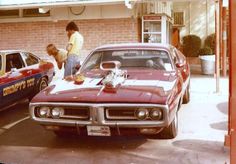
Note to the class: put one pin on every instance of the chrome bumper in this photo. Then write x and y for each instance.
(97, 116)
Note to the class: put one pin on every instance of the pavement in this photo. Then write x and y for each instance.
(202, 127)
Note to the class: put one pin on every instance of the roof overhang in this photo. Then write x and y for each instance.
(23, 4)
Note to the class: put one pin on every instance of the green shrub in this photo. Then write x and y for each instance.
(191, 45)
(210, 41)
(205, 51)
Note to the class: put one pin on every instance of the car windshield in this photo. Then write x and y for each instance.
(158, 60)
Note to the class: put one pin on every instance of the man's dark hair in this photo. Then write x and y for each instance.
(50, 45)
(72, 26)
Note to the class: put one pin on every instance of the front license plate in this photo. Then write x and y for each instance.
(98, 131)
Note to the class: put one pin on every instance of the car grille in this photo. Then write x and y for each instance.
(118, 113)
(81, 113)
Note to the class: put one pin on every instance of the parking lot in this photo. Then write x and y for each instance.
(202, 126)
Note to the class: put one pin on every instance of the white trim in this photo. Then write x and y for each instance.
(63, 4)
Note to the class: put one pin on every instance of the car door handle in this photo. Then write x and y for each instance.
(29, 72)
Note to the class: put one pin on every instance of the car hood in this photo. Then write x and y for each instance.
(138, 90)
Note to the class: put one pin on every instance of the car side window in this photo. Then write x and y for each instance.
(14, 61)
(30, 59)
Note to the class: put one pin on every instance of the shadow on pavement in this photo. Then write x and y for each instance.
(210, 147)
(29, 133)
(13, 113)
(223, 107)
(220, 125)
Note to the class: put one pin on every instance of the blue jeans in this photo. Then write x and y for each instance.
(70, 65)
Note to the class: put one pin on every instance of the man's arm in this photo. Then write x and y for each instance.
(71, 43)
(69, 47)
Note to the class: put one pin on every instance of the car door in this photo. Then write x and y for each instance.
(13, 84)
(32, 70)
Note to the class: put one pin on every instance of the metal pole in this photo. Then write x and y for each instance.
(217, 55)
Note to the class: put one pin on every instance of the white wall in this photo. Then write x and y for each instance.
(199, 17)
(90, 12)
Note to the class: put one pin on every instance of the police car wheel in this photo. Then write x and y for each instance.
(43, 83)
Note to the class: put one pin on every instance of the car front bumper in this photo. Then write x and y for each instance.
(97, 117)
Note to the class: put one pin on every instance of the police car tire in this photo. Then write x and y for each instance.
(43, 83)
(39, 87)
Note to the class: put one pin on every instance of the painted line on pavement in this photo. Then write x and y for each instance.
(8, 126)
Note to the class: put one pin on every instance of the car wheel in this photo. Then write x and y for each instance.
(186, 97)
(43, 83)
(171, 131)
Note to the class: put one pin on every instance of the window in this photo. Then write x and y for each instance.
(30, 59)
(14, 61)
(34, 13)
(9, 13)
(179, 18)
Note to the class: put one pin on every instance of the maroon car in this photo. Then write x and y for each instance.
(119, 89)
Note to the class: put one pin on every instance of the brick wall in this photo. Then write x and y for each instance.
(34, 36)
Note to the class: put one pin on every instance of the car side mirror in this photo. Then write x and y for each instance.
(179, 65)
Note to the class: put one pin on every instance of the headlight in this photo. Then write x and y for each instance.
(44, 111)
(141, 114)
(156, 114)
(57, 112)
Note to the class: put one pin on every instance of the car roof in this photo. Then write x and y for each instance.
(5, 52)
(134, 46)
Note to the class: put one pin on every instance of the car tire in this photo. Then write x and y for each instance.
(186, 97)
(171, 131)
(42, 84)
